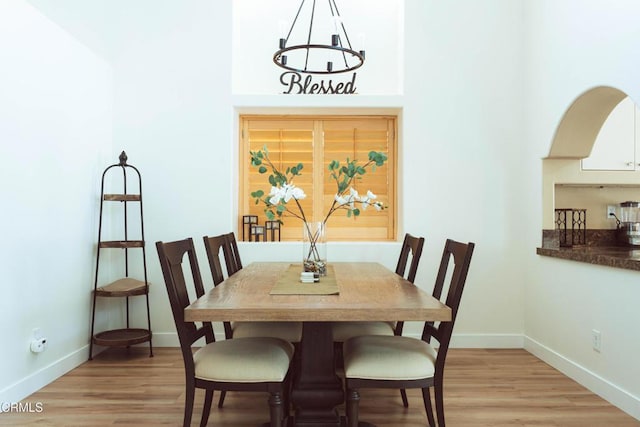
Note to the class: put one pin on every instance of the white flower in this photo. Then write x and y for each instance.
(276, 195)
(366, 200)
(295, 192)
(285, 193)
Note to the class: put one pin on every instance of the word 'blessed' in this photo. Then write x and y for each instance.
(294, 83)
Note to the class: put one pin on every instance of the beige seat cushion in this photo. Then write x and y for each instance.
(288, 331)
(244, 360)
(388, 358)
(342, 331)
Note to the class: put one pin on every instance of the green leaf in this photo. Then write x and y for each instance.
(257, 194)
(270, 215)
(272, 180)
(281, 208)
(348, 214)
(262, 169)
(356, 212)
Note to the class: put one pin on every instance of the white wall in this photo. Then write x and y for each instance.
(484, 85)
(55, 128)
(460, 153)
(574, 46)
(255, 40)
(176, 116)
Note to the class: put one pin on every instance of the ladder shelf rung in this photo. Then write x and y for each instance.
(124, 244)
(122, 197)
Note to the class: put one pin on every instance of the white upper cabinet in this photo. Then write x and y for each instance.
(617, 143)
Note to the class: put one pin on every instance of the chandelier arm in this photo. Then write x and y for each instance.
(332, 6)
(313, 12)
(293, 24)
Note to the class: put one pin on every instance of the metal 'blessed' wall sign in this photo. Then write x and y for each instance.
(309, 61)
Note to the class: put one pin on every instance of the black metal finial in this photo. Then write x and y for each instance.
(123, 158)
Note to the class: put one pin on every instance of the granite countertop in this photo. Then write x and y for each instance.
(600, 247)
(611, 256)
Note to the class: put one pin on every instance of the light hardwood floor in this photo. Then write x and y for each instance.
(482, 388)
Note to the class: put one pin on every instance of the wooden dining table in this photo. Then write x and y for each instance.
(362, 291)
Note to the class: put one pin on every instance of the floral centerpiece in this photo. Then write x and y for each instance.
(284, 198)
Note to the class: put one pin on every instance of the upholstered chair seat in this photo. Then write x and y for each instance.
(240, 360)
(389, 358)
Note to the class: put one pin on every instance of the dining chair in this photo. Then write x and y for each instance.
(246, 364)
(406, 362)
(288, 331)
(342, 331)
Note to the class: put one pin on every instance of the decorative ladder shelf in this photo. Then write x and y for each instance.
(126, 286)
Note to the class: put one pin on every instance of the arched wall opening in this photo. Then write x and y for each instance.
(579, 127)
(566, 184)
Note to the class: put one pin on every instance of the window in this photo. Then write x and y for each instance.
(315, 142)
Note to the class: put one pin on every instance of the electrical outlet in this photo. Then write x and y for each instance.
(596, 340)
(38, 345)
(38, 342)
(611, 211)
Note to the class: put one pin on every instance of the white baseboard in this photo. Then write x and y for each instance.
(487, 341)
(27, 386)
(596, 384)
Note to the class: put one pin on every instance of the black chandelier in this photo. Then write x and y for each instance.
(302, 50)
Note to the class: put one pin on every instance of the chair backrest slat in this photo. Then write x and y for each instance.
(213, 245)
(410, 246)
(232, 256)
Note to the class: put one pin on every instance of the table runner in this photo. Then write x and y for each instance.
(289, 283)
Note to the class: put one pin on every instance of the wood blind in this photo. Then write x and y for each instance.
(315, 142)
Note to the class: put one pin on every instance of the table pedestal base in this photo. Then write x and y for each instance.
(317, 390)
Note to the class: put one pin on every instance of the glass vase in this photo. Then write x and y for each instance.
(314, 248)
